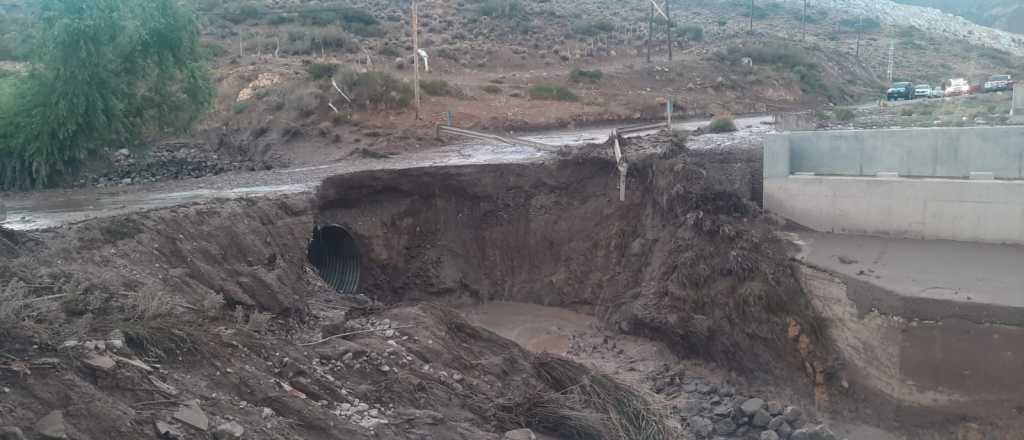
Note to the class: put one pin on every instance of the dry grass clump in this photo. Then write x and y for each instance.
(583, 405)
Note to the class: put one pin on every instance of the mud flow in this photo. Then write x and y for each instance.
(458, 302)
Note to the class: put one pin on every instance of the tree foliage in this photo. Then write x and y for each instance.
(103, 74)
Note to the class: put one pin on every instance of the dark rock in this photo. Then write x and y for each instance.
(776, 422)
(725, 427)
(769, 435)
(774, 407)
(727, 391)
(784, 431)
(690, 388)
(11, 433)
(702, 427)
(792, 413)
(751, 406)
(761, 418)
(723, 411)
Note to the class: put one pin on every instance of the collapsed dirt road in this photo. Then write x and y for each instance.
(45, 209)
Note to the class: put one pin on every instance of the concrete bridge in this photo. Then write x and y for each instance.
(914, 256)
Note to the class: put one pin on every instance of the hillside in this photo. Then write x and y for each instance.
(1007, 15)
(516, 65)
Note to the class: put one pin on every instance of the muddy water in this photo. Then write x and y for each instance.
(537, 328)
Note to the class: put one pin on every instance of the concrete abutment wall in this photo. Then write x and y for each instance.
(963, 184)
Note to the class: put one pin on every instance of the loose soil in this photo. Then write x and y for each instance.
(121, 322)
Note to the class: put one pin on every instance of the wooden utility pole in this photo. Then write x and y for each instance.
(751, 16)
(650, 32)
(668, 29)
(416, 57)
(803, 23)
(860, 25)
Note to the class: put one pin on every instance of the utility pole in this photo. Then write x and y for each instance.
(892, 58)
(751, 16)
(860, 25)
(803, 23)
(650, 32)
(668, 29)
(416, 57)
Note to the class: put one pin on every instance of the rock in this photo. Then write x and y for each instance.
(792, 413)
(820, 432)
(784, 431)
(727, 391)
(228, 431)
(124, 152)
(769, 435)
(99, 362)
(267, 413)
(337, 349)
(190, 414)
(774, 407)
(52, 426)
(705, 388)
(751, 406)
(761, 418)
(11, 433)
(723, 411)
(725, 427)
(519, 434)
(776, 422)
(970, 431)
(420, 416)
(166, 431)
(702, 427)
(690, 388)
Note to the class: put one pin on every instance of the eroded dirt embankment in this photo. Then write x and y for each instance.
(685, 259)
(122, 323)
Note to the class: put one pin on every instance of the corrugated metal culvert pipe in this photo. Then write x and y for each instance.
(335, 256)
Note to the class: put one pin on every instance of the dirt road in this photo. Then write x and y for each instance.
(44, 209)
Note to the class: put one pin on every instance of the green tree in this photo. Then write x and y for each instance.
(104, 73)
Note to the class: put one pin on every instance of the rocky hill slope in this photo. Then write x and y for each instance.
(927, 19)
(1007, 15)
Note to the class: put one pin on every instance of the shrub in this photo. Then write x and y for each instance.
(550, 92)
(492, 89)
(592, 28)
(377, 90)
(722, 124)
(788, 57)
(365, 30)
(844, 114)
(866, 25)
(239, 107)
(586, 76)
(435, 87)
(722, 22)
(212, 50)
(907, 111)
(303, 102)
(389, 51)
(691, 32)
(322, 70)
(238, 13)
(503, 9)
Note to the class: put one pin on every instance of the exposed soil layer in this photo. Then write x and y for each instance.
(137, 324)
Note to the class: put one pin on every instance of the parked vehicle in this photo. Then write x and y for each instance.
(999, 83)
(958, 87)
(922, 91)
(937, 93)
(900, 90)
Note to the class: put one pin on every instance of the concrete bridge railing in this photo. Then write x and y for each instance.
(945, 183)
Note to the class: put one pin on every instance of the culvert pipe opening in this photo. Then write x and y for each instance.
(334, 254)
